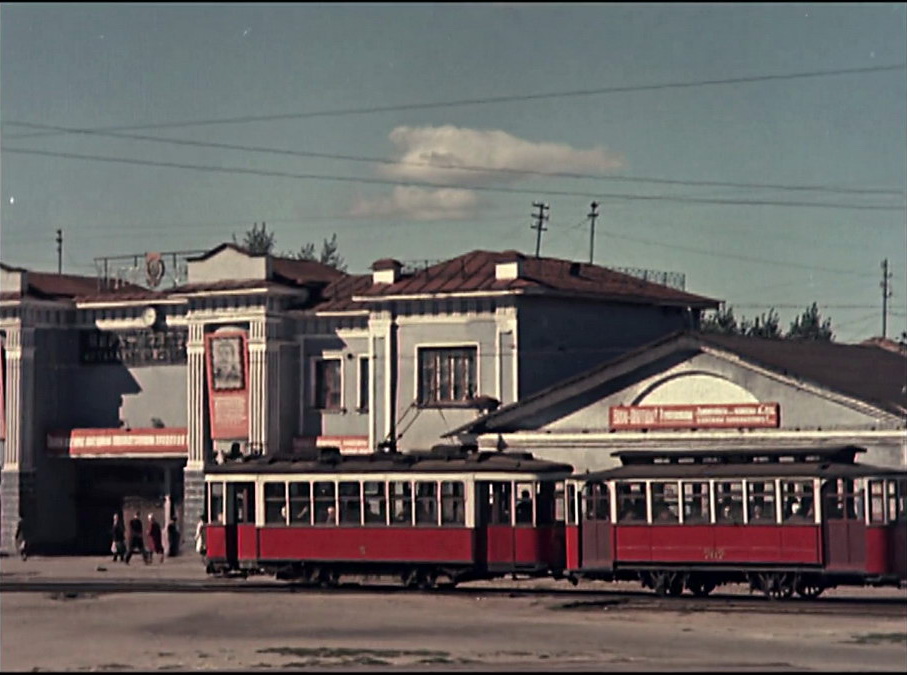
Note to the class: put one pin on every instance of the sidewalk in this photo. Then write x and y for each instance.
(99, 568)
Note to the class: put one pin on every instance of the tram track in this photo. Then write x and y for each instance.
(566, 599)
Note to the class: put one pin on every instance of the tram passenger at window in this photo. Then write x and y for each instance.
(524, 508)
(330, 517)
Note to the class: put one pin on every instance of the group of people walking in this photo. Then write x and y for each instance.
(148, 541)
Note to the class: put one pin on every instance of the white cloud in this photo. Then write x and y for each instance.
(415, 203)
(487, 148)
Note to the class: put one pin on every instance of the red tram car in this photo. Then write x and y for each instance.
(450, 514)
(786, 521)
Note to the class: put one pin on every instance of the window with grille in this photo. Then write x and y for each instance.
(327, 395)
(447, 375)
(761, 502)
(453, 503)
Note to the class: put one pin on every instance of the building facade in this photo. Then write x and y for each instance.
(116, 398)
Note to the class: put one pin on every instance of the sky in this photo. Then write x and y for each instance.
(721, 141)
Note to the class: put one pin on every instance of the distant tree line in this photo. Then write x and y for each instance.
(259, 241)
(807, 326)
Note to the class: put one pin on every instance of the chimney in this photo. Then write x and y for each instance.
(386, 271)
(509, 266)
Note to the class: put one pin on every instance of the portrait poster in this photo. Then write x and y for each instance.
(228, 391)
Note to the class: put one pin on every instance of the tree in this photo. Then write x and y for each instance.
(810, 326)
(764, 326)
(329, 253)
(257, 242)
(721, 322)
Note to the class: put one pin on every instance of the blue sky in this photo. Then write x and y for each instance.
(99, 67)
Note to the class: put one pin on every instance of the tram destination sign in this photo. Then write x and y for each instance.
(695, 416)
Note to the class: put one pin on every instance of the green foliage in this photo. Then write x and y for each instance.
(257, 242)
(261, 242)
(810, 326)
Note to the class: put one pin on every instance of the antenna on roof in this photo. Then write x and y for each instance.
(592, 216)
(541, 217)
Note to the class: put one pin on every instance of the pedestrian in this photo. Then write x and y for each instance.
(173, 538)
(21, 540)
(155, 542)
(200, 536)
(118, 539)
(136, 545)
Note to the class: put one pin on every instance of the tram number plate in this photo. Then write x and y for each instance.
(713, 553)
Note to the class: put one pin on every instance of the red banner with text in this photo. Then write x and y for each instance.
(698, 416)
(227, 361)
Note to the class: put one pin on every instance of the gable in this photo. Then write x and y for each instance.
(227, 264)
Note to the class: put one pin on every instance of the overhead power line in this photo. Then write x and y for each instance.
(477, 188)
(494, 99)
(453, 167)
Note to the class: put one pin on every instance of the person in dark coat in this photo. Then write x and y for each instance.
(21, 539)
(136, 545)
(118, 539)
(173, 538)
(155, 539)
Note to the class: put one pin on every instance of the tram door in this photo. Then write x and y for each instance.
(241, 538)
(494, 524)
(844, 528)
(596, 529)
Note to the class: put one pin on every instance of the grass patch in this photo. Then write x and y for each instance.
(877, 638)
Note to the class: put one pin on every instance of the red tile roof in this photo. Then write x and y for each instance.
(49, 285)
(291, 269)
(475, 271)
(338, 295)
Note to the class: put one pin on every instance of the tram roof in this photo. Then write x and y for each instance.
(752, 470)
(329, 460)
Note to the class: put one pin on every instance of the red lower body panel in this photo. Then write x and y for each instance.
(384, 544)
(572, 544)
(216, 541)
(747, 544)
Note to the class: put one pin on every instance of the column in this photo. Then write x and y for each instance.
(264, 385)
(17, 493)
(193, 474)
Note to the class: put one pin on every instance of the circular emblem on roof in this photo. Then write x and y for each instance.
(154, 269)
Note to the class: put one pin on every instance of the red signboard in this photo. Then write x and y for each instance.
(699, 416)
(352, 445)
(165, 442)
(227, 360)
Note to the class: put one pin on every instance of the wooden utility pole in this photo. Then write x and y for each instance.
(539, 226)
(592, 216)
(59, 251)
(886, 293)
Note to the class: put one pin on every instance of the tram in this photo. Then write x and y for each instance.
(785, 521)
(447, 515)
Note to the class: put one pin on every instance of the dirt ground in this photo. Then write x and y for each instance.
(265, 630)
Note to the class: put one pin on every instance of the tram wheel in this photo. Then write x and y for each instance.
(701, 587)
(809, 590)
(675, 584)
(777, 586)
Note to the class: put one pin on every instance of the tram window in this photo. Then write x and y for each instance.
(241, 503)
(631, 502)
(300, 504)
(275, 503)
(797, 501)
(665, 503)
(571, 504)
(559, 503)
(761, 502)
(401, 501)
(350, 503)
(499, 503)
(453, 503)
(596, 505)
(216, 509)
(325, 510)
(696, 503)
(547, 495)
(524, 504)
(426, 502)
(876, 502)
(897, 496)
(375, 502)
(729, 501)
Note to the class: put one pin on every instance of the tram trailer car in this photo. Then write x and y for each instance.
(785, 521)
(451, 514)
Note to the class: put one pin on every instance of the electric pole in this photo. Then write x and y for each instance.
(59, 251)
(886, 275)
(592, 216)
(540, 219)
